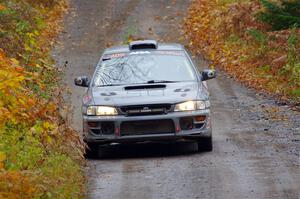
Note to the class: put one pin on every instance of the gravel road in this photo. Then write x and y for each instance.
(256, 141)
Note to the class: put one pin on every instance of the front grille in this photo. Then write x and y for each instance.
(147, 127)
(146, 109)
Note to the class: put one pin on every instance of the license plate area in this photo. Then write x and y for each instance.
(147, 127)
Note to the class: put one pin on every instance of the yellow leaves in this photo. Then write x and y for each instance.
(9, 80)
(13, 99)
(32, 134)
(2, 159)
(14, 62)
(48, 126)
(2, 156)
(17, 101)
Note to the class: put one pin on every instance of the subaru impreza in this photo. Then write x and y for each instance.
(146, 91)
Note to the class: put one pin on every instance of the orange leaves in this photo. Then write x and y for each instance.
(19, 69)
(221, 31)
(2, 7)
(17, 102)
(12, 95)
(2, 54)
(15, 183)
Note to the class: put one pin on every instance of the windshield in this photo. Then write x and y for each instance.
(144, 67)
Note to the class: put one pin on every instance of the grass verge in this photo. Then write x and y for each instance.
(40, 156)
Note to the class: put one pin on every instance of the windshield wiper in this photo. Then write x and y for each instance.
(148, 82)
(160, 81)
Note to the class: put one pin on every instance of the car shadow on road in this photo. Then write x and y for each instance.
(147, 150)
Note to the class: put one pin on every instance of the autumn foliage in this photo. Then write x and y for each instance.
(230, 33)
(40, 156)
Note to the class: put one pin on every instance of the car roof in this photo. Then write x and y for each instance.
(160, 46)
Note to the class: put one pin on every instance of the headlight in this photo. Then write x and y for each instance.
(192, 106)
(101, 110)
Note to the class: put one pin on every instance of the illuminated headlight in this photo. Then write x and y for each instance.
(101, 110)
(192, 105)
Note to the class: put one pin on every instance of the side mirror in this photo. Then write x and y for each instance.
(208, 74)
(82, 81)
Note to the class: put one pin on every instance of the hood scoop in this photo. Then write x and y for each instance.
(139, 87)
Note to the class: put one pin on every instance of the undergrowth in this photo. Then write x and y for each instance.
(40, 156)
(235, 35)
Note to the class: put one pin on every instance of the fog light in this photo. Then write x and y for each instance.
(107, 128)
(200, 118)
(186, 123)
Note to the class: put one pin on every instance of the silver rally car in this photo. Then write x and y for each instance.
(146, 91)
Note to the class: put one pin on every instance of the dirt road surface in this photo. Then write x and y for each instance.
(256, 141)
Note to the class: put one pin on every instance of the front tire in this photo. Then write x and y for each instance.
(205, 144)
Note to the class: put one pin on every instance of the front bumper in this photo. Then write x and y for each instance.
(197, 130)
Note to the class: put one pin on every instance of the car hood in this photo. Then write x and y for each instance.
(172, 93)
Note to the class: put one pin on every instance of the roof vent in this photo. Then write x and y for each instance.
(143, 44)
